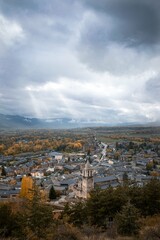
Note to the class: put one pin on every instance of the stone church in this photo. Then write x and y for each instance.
(89, 182)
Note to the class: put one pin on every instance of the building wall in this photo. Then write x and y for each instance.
(87, 186)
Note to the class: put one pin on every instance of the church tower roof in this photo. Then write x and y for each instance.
(87, 165)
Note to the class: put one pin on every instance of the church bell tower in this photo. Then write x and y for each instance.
(87, 180)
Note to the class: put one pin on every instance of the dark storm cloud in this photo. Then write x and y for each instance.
(135, 22)
(120, 36)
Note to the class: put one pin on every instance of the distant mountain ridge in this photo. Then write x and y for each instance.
(21, 122)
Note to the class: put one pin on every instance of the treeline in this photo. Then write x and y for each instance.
(137, 147)
(123, 208)
(126, 137)
(12, 143)
(65, 144)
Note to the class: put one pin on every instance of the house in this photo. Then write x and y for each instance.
(37, 173)
(56, 155)
(67, 182)
(105, 182)
(50, 169)
(71, 168)
(8, 192)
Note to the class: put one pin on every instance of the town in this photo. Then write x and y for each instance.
(75, 172)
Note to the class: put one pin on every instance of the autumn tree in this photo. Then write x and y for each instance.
(2, 147)
(26, 187)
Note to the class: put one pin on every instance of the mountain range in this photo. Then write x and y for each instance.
(21, 122)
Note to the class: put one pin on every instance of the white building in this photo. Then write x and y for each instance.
(56, 155)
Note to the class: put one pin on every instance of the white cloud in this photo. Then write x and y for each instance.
(11, 32)
(102, 97)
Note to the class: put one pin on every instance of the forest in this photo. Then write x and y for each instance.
(14, 143)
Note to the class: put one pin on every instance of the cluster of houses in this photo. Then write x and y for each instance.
(75, 175)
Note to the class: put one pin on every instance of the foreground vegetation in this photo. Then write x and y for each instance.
(108, 214)
(124, 208)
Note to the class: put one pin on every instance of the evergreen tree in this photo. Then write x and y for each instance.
(104, 204)
(8, 223)
(3, 173)
(125, 178)
(127, 220)
(52, 193)
(151, 198)
(77, 214)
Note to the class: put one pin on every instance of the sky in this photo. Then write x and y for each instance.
(93, 60)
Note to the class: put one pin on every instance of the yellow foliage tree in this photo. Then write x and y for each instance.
(27, 187)
(2, 147)
(77, 145)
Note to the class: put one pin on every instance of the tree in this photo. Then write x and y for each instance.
(125, 178)
(3, 173)
(104, 204)
(37, 217)
(127, 220)
(76, 213)
(151, 198)
(27, 187)
(8, 223)
(149, 166)
(2, 147)
(52, 193)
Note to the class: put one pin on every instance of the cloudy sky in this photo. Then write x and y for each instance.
(81, 59)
